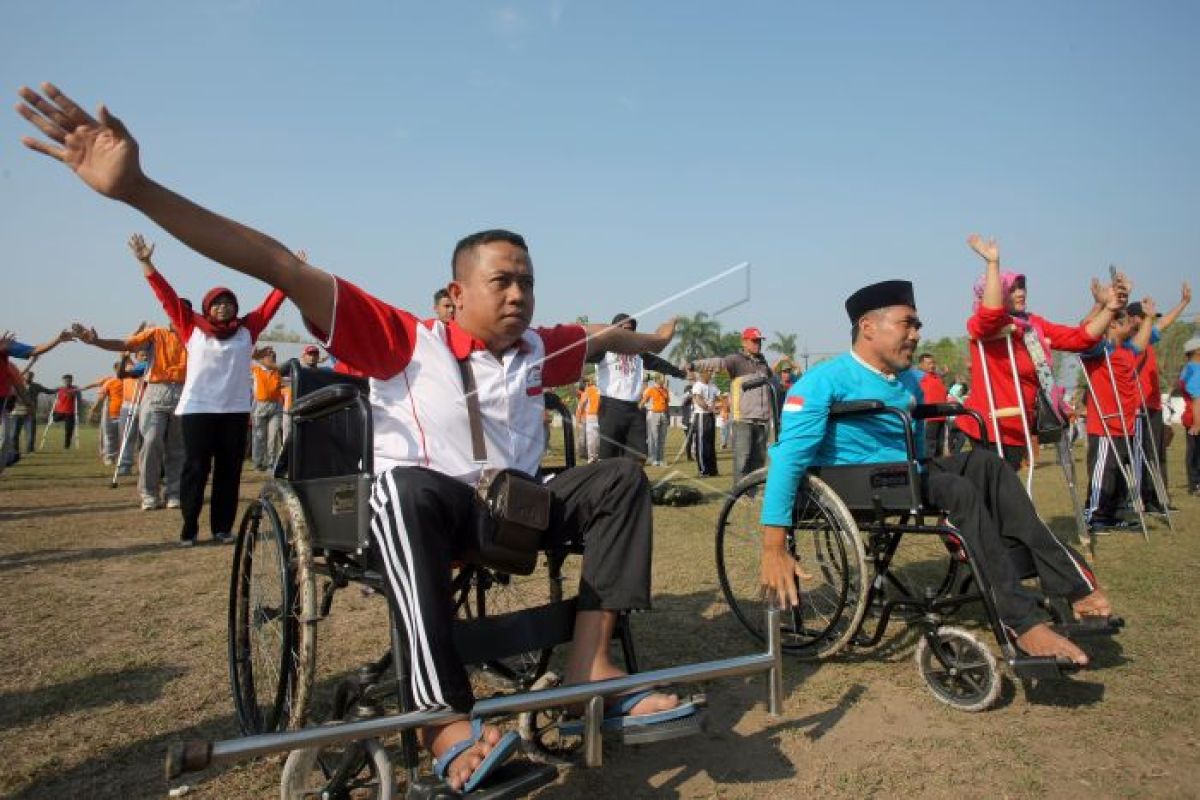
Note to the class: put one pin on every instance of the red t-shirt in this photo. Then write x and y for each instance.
(1147, 367)
(1124, 377)
(65, 399)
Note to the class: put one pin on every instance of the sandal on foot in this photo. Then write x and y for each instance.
(617, 716)
(500, 753)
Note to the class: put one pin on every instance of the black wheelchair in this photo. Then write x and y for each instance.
(305, 537)
(849, 522)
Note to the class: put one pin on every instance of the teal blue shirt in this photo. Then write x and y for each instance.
(806, 438)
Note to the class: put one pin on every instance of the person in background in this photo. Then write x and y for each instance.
(267, 415)
(66, 408)
(107, 411)
(1189, 387)
(656, 400)
(443, 306)
(934, 389)
(23, 417)
(587, 413)
(704, 399)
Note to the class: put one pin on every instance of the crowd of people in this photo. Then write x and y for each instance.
(205, 385)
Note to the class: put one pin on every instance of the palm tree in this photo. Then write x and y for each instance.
(784, 344)
(696, 337)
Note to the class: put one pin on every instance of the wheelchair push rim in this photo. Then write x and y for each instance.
(826, 543)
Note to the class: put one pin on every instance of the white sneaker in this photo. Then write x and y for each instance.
(150, 505)
(172, 502)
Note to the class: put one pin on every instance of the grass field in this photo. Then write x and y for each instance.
(113, 642)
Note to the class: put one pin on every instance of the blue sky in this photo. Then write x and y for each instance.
(639, 147)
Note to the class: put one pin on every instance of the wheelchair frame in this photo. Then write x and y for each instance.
(323, 531)
(868, 509)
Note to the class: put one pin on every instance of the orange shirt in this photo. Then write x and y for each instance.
(267, 384)
(286, 392)
(168, 361)
(128, 389)
(111, 388)
(589, 402)
(657, 398)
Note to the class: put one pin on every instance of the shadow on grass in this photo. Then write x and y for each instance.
(39, 558)
(41, 512)
(130, 686)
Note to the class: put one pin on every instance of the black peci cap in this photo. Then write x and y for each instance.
(619, 318)
(879, 295)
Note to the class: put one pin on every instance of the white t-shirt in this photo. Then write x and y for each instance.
(706, 391)
(218, 374)
(620, 377)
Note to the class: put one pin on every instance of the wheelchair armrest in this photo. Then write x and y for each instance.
(929, 410)
(849, 408)
(325, 401)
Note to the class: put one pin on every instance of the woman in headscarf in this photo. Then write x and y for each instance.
(999, 314)
(215, 404)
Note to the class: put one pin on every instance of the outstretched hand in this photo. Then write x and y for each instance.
(1099, 291)
(667, 329)
(988, 250)
(85, 335)
(98, 149)
(142, 250)
(6, 338)
(1185, 293)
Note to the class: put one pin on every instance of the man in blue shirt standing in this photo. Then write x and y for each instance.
(1189, 387)
(983, 499)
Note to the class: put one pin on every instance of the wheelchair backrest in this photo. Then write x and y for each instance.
(332, 444)
(556, 407)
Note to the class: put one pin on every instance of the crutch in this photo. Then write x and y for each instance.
(1003, 413)
(1129, 482)
(1066, 459)
(1012, 363)
(1160, 487)
(125, 435)
(45, 430)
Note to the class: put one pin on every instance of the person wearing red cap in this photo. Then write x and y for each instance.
(752, 410)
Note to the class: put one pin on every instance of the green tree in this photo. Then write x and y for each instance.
(784, 344)
(951, 354)
(696, 337)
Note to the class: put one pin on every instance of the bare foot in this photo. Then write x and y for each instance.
(439, 740)
(652, 704)
(1094, 605)
(1040, 640)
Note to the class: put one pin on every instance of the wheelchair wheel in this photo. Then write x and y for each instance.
(826, 543)
(272, 614)
(959, 669)
(353, 771)
(482, 592)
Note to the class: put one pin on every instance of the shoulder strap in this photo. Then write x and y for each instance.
(478, 444)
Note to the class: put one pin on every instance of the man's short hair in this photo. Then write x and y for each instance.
(924, 356)
(439, 294)
(467, 245)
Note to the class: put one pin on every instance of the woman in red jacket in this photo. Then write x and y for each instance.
(1004, 333)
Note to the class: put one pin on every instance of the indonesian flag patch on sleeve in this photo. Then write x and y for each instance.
(794, 403)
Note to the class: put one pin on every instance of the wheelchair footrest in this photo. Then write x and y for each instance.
(517, 778)
(664, 731)
(1098, 626)
(1041, 667)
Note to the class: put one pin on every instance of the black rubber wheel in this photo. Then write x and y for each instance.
(826, 543)
(354, 771)
(962, 673)
(272, 615)
(481, 592)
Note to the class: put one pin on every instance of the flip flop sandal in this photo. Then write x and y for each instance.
(499, 754)
(617, 716)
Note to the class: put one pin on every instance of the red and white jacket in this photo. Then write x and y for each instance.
(991, 326)
(418, 406)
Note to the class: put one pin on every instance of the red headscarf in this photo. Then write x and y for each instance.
(218, 330)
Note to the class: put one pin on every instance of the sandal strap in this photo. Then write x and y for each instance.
(443, 762)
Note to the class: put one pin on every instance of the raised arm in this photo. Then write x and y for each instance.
(993, 288)
(1185, 297)
(101, 151)
(615, 339)
(89, 336)
(656, 364)
(1109, 300)
(1142, 336)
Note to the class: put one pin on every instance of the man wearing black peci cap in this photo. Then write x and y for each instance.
(983, 499)
(620, 379)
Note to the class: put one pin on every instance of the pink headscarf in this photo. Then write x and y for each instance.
(1008, 281)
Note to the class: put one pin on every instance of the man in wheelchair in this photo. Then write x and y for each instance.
(427, 457)
(983, 500)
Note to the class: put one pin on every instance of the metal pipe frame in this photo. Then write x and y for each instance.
(1129, 483)
(1012, 363)
(1160, 486)
(198, 755)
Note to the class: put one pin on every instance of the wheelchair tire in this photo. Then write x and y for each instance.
(359, 770)
(966, 676)
(484, 592)
(827, 544)
(272, 614)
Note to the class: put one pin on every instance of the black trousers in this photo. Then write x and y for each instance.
(1153, 442)
(706, 443)
(68, 421)
(421, 521)
(749, 448)
(216, 443)
(935, 438)
(1014, 455)
(1107, 490)
(622, 429)
(1192, 460)
(986, 503)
